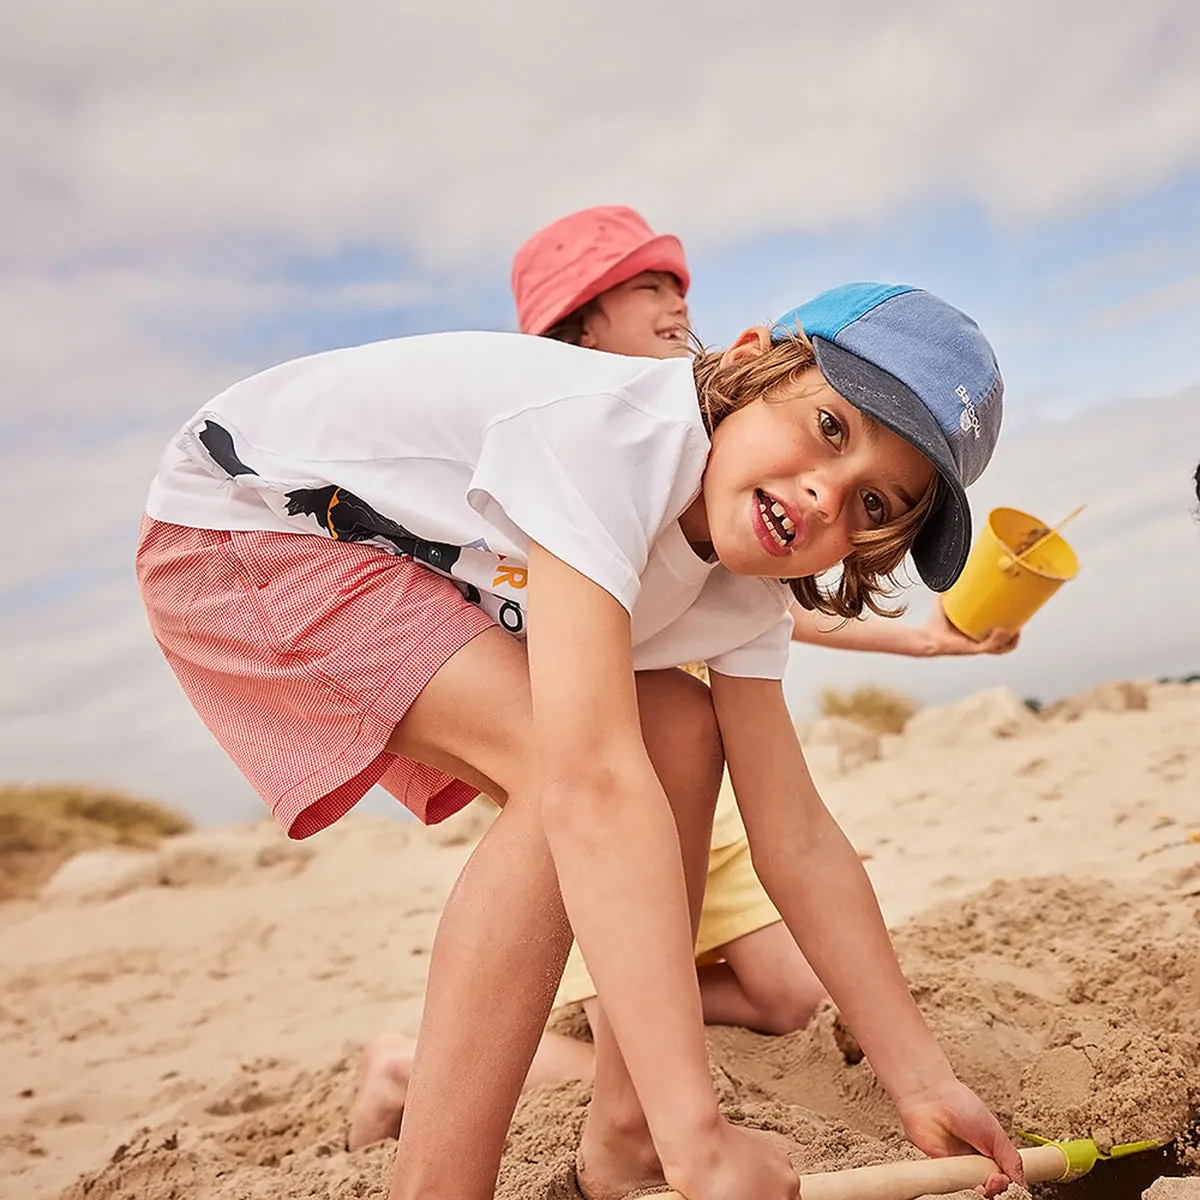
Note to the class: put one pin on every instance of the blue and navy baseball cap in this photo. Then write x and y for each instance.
(923, 369)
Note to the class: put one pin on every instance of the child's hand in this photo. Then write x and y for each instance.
(953, 1120)
(941, 637)
(738, 1164)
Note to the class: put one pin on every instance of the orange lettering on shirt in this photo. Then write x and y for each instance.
(516, 577)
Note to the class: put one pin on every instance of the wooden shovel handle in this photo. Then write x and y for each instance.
(912, 1178)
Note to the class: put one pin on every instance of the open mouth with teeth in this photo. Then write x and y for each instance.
(779, 525)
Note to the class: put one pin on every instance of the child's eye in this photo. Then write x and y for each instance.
(831, 427)
(876, 507)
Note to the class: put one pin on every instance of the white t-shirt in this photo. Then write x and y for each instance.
(458, 449)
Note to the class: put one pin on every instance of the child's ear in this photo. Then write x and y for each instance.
(749, 344)
(587, 333)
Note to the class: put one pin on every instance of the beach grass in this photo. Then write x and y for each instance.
(42, 825)
(878, 708)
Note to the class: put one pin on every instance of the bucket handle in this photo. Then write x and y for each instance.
(1010, 560)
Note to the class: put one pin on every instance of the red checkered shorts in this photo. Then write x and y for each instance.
(301, 654)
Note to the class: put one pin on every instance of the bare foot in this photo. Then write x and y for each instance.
(621, 1167)
(382, 1090)
(612, 1164)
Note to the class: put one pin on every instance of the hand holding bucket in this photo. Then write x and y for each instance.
(1015, 566)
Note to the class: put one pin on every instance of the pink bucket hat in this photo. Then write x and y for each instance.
(576, 258)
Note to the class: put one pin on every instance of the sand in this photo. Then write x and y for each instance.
(187, 1025)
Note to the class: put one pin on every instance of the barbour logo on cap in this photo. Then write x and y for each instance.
(968, 419)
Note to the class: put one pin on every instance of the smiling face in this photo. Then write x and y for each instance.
(792, 476)
(646, 317)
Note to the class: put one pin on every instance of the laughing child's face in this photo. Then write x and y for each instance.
(792, 476)
(645, 317)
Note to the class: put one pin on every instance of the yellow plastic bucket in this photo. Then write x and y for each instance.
(1001, 586)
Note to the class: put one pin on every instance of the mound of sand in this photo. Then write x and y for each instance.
(44, 825)
(1043, 884)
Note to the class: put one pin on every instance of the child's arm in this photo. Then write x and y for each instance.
(936, 637)
(817, 882)
(615, 848)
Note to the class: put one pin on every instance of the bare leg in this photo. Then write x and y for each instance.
(765, 983)
(387, 1064)
(378, 1106)
(491, 982)
(560, 1058)
(492, 979)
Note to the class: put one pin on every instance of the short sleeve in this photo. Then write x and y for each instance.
(592, 478)
(765, 657)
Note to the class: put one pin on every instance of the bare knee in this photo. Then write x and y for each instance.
(779, 1010)
(776, 979)
(784, 1001)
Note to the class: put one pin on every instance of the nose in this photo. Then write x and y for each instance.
(828, 490)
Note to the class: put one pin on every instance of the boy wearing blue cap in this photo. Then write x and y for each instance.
(604, 279)
(313, 536)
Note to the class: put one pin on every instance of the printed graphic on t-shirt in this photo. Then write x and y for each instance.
(218, 441)
(341, 515)
(462, 450)
(349, 519)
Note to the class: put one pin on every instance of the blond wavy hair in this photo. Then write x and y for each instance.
(868, 574)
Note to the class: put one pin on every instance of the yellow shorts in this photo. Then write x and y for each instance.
(734, 905)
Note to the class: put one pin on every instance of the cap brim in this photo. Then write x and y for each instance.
(941, 548)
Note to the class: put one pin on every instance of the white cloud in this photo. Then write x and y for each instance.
(99, 344)
(450, 131)
(71, 347)
(1180, 295)
(88, 697)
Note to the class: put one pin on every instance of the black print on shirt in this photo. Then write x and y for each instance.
(218, 441)
(349, 519)
(344, 516)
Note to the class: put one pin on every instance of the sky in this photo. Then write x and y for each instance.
(191, 193)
